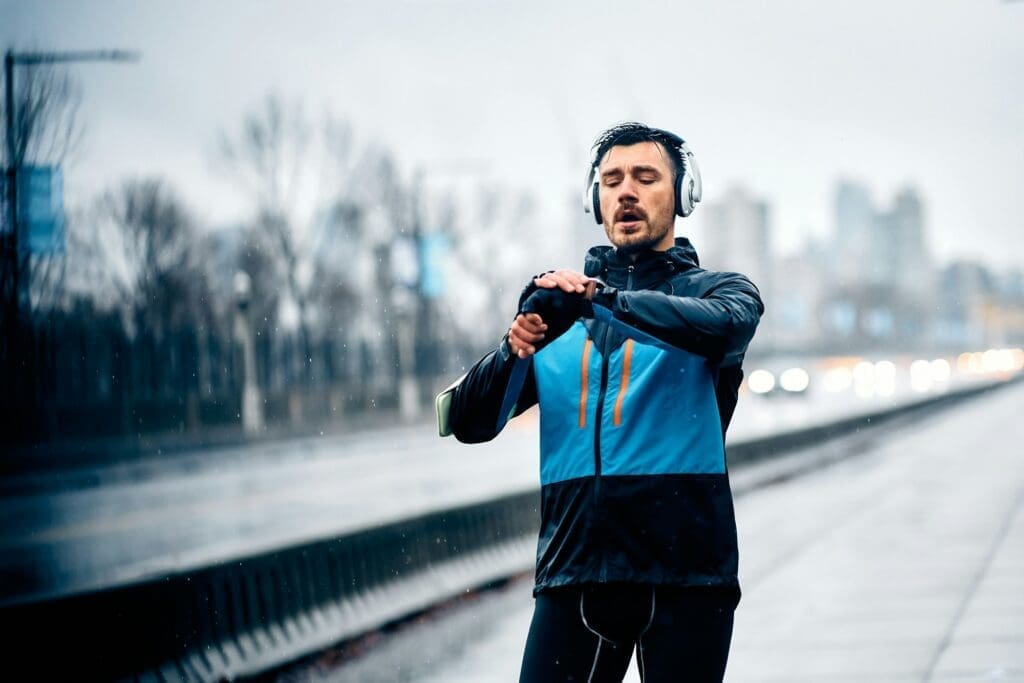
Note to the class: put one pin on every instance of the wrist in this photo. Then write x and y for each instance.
(604, 296)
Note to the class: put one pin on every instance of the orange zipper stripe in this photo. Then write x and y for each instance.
(584, 377)
(627, 356)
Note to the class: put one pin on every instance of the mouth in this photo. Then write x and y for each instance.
(629, 218)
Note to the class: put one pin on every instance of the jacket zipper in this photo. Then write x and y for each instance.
(598, 421)
(598, 424)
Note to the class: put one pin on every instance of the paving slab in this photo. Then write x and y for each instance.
(902, 563)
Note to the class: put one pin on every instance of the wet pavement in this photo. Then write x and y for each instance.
(94, 527)
(904, 562)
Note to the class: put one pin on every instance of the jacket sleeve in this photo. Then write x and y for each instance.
(498, 379)
(718, 325)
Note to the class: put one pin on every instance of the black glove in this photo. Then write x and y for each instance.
(558, 309)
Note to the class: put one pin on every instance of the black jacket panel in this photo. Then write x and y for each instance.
(476, 403)
(677, 530)
(667, 295)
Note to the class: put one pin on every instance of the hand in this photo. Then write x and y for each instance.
(526, 331)
(558, 310)
(567, 280)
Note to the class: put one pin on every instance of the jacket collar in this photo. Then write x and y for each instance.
(602, 258)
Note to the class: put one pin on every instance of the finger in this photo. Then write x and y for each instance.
(524, 336)
(573, 276)
(562, 283)
(531, 323)
(535, 319)
(522, 348)
(518, 347)
(545, 282)
(577, 280)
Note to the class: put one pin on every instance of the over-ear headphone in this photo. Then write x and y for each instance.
(688, 186)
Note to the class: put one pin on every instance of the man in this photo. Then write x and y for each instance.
(636, 365)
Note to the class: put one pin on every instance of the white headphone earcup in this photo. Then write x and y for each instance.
(686, 195)
(691, 189)
(591, 198)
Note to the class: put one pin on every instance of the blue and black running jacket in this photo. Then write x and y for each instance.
(635, 398)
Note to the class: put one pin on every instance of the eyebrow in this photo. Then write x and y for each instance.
(639, 168)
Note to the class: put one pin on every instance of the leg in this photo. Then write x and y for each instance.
(689, 637)
(560, 648)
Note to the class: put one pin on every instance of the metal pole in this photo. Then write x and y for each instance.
(11, 317)
(11, 160)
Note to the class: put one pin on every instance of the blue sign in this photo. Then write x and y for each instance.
(433, 253)
(41, 209)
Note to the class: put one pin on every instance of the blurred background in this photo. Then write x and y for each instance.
(364, 188)
(241, 226)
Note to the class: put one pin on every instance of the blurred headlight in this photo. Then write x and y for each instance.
(761, 381)
(794, 380)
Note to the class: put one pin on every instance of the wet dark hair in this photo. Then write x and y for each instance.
(631, 133)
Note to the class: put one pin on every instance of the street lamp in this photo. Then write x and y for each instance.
(17, 275)
(252, 410)
(14, 279)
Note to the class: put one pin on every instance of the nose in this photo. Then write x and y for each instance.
(626, 191)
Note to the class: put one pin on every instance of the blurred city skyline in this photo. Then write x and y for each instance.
(784, 100)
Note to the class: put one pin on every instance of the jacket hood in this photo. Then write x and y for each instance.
(682, 255)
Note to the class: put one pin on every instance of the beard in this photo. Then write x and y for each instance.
(641, 240)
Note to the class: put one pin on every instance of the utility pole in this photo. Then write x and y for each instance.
(16, 351)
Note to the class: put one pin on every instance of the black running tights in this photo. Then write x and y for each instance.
(589, 633)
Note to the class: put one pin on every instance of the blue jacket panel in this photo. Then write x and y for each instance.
(658, 413)
(567, 376)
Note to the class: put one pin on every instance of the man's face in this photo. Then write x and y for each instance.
(637, 197)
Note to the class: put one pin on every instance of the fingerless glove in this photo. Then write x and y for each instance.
(558, 309)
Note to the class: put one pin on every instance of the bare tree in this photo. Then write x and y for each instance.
(144, 246)
(489, 247)
(47, 129)
(269, 158)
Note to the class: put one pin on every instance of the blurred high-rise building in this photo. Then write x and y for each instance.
(902, 253)
(886, 247)
(855, 234)
(737, 238)
(800, 286)
(883, 277)
(977, 308)
(964, 292)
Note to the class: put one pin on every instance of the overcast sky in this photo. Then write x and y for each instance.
(782, 97)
